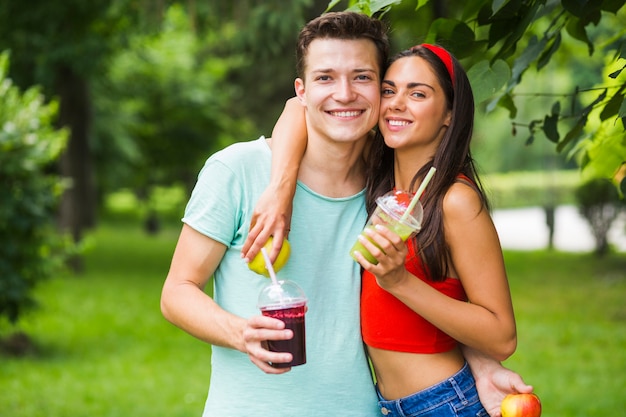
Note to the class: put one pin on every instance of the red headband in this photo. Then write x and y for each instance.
(444, 56)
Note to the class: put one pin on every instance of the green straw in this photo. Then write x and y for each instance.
(418, 194)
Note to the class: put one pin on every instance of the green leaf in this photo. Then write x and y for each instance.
(576, 29)
(546, 55)
(511, 30)
(332, 4)
(499, 30)
(613, 106)
(471, 8)
(505, 9)
(574, 133)
(454, 34)
(616, 74)
(487, 79)
(622, 113)
(550, 123)
(421, 3)
(612, 5)
(506, 101)
(575, 7)
(377, 5)
(484, 15)
(606, 155)
(530, 54)
(371, 7)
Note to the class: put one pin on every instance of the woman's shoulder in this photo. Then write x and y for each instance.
(462, 200)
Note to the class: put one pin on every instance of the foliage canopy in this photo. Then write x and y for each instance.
(514, 36)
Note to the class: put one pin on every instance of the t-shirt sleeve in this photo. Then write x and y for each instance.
(214, 206)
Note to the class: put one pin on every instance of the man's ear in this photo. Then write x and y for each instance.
(299, 88)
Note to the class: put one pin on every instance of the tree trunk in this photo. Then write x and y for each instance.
(78, 203)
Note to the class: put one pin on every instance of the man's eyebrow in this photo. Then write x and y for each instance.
(357, 70)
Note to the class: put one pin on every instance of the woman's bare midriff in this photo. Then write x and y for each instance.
(400, 374)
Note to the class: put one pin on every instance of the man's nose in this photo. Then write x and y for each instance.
(345, 91)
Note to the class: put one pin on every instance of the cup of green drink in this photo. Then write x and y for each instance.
(399, 211)
(391, 212)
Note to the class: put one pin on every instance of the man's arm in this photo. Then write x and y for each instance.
(185, 304)
(272, 213)
(493, 381)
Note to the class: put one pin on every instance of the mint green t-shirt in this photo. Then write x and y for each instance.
(336, 378)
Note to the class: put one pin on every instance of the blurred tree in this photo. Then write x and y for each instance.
(600, 205)
(516, 35)
(63, 46)
(31, 249)
(266, 33)
(66, 47)
(166, 104)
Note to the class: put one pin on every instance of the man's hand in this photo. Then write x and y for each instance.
(258, 330)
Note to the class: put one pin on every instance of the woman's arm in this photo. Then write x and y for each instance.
(272, 213)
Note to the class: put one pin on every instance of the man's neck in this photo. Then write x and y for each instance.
(333, 169)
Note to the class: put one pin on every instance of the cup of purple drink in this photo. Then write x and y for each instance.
(286, 301)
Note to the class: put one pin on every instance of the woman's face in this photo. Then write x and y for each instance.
(413, 108)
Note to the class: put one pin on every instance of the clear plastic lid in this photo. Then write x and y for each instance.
(283, 294)
(395, 203)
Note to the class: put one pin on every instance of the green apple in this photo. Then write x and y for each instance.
(258, 263)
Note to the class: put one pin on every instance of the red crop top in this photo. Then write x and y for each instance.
(387, 323)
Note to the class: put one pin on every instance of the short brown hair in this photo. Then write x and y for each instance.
(343, 25)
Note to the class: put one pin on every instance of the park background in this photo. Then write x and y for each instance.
(109, 108)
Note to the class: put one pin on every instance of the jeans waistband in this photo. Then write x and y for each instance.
(452, 389)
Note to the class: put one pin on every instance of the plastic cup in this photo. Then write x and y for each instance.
(286, 301)
(390, 212)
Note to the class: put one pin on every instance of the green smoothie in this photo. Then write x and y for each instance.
(388, 215)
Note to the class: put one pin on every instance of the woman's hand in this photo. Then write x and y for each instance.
(271, 217)
(390, 252)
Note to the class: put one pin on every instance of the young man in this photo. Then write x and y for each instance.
(340, 62)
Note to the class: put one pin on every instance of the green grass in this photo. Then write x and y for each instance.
(571, 315)
(103, 348)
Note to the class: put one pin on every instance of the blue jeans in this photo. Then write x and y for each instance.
(454, 397)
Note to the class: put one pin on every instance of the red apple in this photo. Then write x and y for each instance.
(521, 405)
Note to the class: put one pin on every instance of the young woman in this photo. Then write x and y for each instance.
(446, 287)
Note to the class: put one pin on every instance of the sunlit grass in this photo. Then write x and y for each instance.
(571, 315)
(103, 348)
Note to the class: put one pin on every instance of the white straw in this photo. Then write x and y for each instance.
(268, 265)
(419, 192)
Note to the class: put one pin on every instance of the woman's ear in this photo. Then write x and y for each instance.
(448, 119)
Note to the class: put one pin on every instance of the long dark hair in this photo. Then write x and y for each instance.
(452, 159)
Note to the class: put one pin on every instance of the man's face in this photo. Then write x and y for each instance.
(341, 90)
